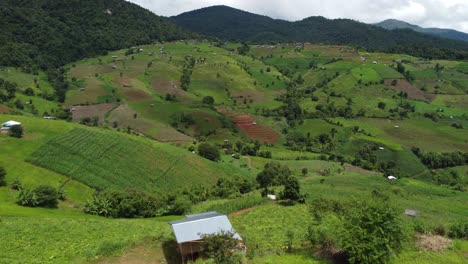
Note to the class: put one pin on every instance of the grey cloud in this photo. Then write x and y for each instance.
(426, 13)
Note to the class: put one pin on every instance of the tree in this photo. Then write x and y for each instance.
(209, 152)
(305, 171)
(2, 177)
(382, 105)
(273, 174)
(221, 247)
(373, 232)
(292, 190)
(16, 131)
(209, 100)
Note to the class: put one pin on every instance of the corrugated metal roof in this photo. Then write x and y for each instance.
(191, 228)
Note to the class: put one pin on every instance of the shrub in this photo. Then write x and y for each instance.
(376, 220)
(209, 100)
(209, 152)
(2, 177)
(180, 206)
(459, 230)
(221, 247)
(124, 204)
(16, 131)
(42, 196)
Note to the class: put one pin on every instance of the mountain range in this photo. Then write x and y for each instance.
(49, 33)
(392, 24)
(232, 24)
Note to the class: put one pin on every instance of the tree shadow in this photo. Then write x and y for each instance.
(170, 252)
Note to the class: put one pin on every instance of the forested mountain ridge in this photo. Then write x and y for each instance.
(50, 33)
(392, 24)
(229, 23)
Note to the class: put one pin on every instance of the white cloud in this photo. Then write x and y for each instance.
(426, 13)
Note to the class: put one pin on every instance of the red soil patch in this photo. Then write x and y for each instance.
(256, 132)
(136, 95)
(4, 109)
(99, 110)
(403, 85)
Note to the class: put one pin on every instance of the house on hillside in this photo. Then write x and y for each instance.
(189, 231)
(7, 125)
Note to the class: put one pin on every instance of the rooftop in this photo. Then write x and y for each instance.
(195, 225)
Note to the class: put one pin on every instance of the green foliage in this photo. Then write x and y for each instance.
(216, 21)
(292, 190)
(273, 174)
(209, 151)
(459, 230)
(134, 162)
(41, 196)
(221, 247)
(209, 100)
(441, 160)
(61, 33)
(16, 131)
(124, 204)
(2, 176)
(376, 220)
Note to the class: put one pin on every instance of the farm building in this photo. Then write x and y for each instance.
(11, 123)
(7, 125)
(189, 231)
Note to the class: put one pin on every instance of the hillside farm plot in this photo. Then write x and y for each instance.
(386, 72)
(124, 117)
(89, 94)
(254, 131)
(366, 74)
(403, 85)
(113, 160)
(90, 111)
(85, 71)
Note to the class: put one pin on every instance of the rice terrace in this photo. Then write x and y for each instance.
(225, 137)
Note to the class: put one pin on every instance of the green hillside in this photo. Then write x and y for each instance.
(232, 24)
(340, 118)
(52, 33)
(111, 160)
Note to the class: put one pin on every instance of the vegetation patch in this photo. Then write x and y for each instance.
(412, 92)
(89, 156)
(80, 113)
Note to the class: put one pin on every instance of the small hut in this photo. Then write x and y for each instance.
(189, 231)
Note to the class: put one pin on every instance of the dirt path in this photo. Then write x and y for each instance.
(243, 211)
(249, 161)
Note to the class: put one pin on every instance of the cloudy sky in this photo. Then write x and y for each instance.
(426, 13)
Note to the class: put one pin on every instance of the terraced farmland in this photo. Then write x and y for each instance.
(111, 160)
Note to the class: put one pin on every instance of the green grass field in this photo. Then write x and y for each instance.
(112, 160)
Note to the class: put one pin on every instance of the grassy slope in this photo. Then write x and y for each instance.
(106, 159)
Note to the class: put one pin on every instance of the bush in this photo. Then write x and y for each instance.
(209, 152)
(181, 205)
(376, 220)
(124, 204)
(42, 196)
(459, 230)
(221, 247)
(16, 131)
(2, 177)
(209, 100)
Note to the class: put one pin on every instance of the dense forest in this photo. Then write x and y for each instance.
(51, 33)
(229, 23)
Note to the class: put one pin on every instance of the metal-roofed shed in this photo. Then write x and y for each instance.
(189, 231)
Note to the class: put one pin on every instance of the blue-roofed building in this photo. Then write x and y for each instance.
(189, 231)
